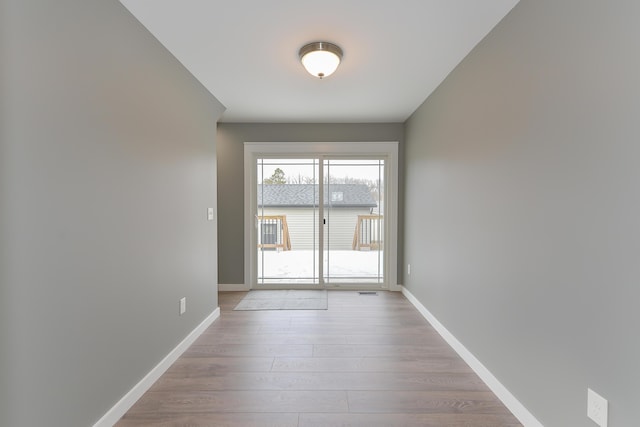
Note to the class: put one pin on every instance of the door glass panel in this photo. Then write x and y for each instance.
(287, 221)
(354, 221)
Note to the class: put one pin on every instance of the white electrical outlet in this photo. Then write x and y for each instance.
(183, 305)
(597, 408)
(209, 214)
(408, 269)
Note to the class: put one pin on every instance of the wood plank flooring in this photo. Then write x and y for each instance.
(367, 361)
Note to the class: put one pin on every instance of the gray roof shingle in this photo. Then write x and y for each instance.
(306, 195)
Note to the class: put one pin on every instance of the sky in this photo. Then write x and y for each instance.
(359, 169)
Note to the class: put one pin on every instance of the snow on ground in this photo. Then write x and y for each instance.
(298, 265)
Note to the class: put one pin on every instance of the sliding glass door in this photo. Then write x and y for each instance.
(353, 244)
(319, 221)
(286, 221)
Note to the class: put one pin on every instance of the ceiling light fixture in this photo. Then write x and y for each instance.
(320, 58)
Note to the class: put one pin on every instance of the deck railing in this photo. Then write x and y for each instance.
(368, 233)
(273, 232)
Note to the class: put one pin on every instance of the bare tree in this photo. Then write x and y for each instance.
(301, 179)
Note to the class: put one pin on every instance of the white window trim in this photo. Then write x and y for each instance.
(253, 150)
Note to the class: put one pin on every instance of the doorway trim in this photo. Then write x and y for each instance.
(388, 149)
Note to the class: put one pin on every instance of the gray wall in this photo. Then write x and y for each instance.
(107, 168)
(523, 208)
(4, 290)
(230, 149)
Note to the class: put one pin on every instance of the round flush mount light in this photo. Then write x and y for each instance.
(320, 58)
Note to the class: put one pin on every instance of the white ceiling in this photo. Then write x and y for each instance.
(246, 52)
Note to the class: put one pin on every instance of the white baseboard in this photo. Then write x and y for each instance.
(235, 287)
(127, 401)
(509, 400)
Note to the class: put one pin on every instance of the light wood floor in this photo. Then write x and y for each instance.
(367, 361)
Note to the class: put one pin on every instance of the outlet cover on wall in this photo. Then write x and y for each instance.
(597, 408)
(183, 305)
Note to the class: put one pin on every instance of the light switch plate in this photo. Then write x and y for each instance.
(183, 305)
(597, 408)
(209, 214)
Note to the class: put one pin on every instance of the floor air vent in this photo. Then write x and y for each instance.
(368, 293)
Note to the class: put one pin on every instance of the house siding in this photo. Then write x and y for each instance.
(341, 225)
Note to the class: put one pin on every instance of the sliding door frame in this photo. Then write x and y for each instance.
(387, 150)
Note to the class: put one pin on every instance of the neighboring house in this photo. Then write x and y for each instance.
(288, 215)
